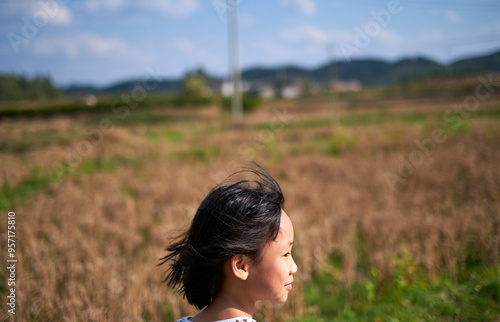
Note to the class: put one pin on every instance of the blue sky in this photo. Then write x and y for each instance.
(100, 42)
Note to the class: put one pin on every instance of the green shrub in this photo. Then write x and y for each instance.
(185, 100)
(249, 103)
(406, 296)
(201, 154)
(338, 143)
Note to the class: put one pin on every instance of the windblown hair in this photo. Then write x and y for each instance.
(234, 219)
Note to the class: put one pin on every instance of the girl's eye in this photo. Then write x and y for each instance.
(288, 253)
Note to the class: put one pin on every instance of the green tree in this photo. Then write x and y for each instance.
(196, 85)
(17, 87)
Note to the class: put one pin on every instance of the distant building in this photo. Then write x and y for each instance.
(271, 87)
(292, 90)
(263, 90)
(226, 87)
(345, 85)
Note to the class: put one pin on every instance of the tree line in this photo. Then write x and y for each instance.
(18, 87)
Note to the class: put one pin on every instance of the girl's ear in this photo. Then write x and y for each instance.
(239, 266)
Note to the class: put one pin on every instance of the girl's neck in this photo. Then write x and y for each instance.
(226, 306)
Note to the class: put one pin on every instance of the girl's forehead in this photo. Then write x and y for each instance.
(286, 228)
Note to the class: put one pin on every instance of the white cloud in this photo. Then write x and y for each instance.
(306, 7)
(40, 13)
(273, 51)
(310, 33)
(184, 45)
(315, 42)
(452, 16)
(432, 36)
(191, 50)
(168, 7)
(245, 20)
(306, 32)
(101, 46)
(83, 43)
(389, 37)
(104, 4)
(173, 7)
(62, 17)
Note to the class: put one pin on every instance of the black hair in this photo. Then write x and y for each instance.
(237, 218)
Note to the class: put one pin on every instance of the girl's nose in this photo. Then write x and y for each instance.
(294, 267)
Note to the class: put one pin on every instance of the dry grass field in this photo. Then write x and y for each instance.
(97, 196)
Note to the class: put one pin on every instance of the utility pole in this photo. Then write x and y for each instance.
(232, 31)
(332, 81)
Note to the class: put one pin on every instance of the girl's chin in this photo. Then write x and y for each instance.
(281, 300)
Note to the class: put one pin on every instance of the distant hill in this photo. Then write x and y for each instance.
(367, 71)
(370, 72)
(377, 72)
(478, 64)
(77, 90)
(285, 72)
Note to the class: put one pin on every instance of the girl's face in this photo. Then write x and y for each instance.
(271, 277)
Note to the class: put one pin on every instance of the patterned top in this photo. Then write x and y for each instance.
(241, 319)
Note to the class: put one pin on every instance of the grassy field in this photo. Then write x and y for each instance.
(395, 205)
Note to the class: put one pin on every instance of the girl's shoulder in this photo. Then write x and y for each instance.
(238, 320)
(188, 319)
(185, 319)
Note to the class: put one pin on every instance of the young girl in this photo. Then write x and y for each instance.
(236, 252)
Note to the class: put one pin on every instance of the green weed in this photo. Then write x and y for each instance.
(92, 166)
(337, 143)
(38, 181)
(373, 118)
(409, 296)
(249, 103)
(457, 129)
(272, 151)
(29, 141)
(21, 192)
(201, 154)
(173, 135)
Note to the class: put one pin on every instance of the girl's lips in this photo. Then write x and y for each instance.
(288, 286)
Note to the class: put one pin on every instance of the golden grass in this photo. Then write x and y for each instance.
(88, 245)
